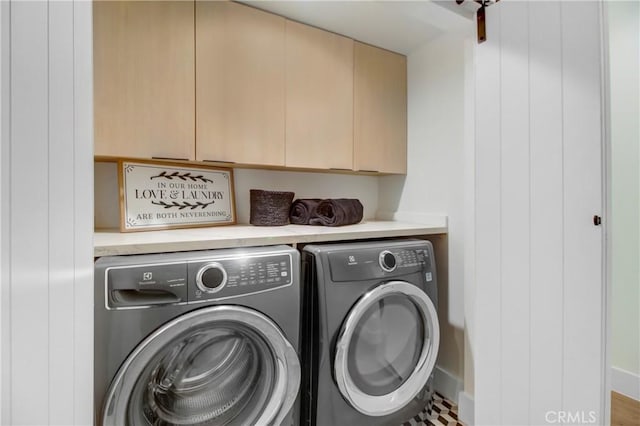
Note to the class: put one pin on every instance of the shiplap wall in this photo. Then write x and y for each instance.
(47, 221)
(5, 366)
(539, 340)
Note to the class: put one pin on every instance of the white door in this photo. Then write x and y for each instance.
(539, 313)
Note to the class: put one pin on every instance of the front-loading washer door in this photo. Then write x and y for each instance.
(387, 348)
(222, 365)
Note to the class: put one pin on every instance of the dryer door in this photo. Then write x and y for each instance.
(387, 348)
(215, 366)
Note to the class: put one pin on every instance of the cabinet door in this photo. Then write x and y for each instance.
(319, 104)
(239, 84)
(380, 110)
(144, 79)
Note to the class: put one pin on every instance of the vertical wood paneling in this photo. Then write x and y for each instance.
(545, 82)
(61, 211)
(47, 205)
(514, 99)
(5, 225)
(29, 213)
(539, 287)
(487, 227)
(583, 316)
(83, 215)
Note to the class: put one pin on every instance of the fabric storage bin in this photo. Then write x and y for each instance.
(270, 208)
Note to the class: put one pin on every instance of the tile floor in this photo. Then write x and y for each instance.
(443, 413)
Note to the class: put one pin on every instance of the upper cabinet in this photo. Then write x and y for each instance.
(380, 110)
(224, 82)
(240, 84)
(144, 78)
(319, 98)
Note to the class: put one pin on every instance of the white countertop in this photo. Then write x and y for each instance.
(111, 242)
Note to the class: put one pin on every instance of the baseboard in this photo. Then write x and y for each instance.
(466, 409)
(420, 218)
(625, 382)
(446, 384)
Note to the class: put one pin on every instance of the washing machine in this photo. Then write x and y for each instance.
(198, 338)
(372, 332)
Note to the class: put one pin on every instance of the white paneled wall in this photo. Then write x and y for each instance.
(29, 211)
(47, 221)
(583, 373)
(539, 316)
(5, 365)
(546, 157)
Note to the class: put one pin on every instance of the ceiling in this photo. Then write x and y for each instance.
(400, 26)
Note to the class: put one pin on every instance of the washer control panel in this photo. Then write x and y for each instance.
(223, 278)
(162, 279)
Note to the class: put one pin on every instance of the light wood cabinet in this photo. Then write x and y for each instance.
(144, 79)
(319, 98)
(240, 81)
(220, 81)
(380, 110)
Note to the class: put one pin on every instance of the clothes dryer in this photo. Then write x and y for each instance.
(372, 332)
(198, 338)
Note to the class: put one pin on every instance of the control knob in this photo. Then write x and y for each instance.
(211, 278)
(388, 261)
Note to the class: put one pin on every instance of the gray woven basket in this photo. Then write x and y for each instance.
(270, 208)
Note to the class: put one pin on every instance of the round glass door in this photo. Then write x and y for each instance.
(222, 365)
(387, 348)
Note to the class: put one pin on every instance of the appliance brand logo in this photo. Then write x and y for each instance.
(146, 276)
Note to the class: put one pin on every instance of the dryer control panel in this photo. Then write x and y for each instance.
(368, 264)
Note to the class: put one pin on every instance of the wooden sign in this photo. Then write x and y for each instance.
(164, 195)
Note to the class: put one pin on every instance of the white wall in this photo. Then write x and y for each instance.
(304, 185)
(624, 63)
(539, 317)
(434, 183)
(47, 227)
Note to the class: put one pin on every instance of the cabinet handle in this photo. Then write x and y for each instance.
(219, 161)
(170, 158)
(369, 171)
(341, 169)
